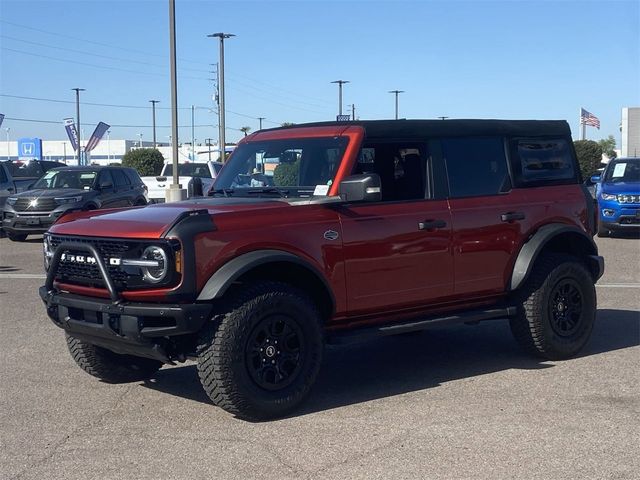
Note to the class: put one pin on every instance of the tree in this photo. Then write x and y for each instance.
(147, 161)
(245, 130)
(608, 146)
(287, 124)
(589, 155)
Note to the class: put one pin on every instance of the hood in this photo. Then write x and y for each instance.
(614, 188)
(51, 193)
(152, 221)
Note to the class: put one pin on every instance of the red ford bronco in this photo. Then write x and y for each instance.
(332, 232)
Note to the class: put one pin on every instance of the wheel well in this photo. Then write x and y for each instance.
(297, 276)
(570, 243)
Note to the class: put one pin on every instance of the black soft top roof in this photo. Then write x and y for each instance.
(452, 128)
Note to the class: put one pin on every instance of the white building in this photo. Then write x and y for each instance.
(108, 151)
(630, 132)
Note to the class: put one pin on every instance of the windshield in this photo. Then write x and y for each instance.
(82, 180)
(189, 170)
(299, 167)
(623, 170)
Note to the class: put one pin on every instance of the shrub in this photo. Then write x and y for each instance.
(147, 161)
(589, 155)
(286, 174)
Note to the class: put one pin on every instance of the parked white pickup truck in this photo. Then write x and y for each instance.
(206, 171)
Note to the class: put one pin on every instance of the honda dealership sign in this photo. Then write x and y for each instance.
(30, 148)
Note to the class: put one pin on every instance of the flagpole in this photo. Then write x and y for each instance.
(583, 125)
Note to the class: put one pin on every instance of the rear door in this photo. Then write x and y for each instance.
(397, 251)
(108, 196)
(487, 213)
(124, 194)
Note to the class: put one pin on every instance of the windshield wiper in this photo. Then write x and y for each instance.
(227, 192)
(281, 192)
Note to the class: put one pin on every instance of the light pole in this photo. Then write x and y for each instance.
(78, 90)
(193, 133)
(8, 129)
(340, 83)
(208, 143)
(108, 146)
(260, 119)
(396, 92)
(153, 110)
(222, 141)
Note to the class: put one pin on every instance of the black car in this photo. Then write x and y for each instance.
(64, 189)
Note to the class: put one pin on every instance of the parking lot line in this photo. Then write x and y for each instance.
(22, 275)
(619, 285)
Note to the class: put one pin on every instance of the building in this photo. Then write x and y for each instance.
(630, 132)
(108, 151)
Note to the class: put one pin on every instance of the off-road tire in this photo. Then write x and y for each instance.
(17, 237)
(109, 366)
(540, 326)
(227, 368)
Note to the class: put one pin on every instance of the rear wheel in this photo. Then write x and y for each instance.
(259, 358)
(558, 308)
(109, 366)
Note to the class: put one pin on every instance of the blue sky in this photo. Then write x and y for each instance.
(541, 60)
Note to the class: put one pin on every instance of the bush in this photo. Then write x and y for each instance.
(147, 161)
(589, 155)
(286, 174)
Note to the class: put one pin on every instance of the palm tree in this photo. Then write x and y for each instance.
(245, 130)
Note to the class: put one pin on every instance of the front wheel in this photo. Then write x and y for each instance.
(109, 366)
(558, 308)
(260, 356)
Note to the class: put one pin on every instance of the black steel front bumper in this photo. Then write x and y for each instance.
(130, 328)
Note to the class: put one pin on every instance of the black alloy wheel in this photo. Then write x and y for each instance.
(565, 307)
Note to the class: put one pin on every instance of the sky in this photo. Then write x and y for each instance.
(508, 59)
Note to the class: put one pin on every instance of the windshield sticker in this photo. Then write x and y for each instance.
(618, 170)
(321, 190)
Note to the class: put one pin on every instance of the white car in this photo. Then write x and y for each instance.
(206, 171)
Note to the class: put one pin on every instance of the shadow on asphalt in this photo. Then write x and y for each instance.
(395, 365)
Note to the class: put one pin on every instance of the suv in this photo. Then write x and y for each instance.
(360, 229)
(618, 196)
(66, 189)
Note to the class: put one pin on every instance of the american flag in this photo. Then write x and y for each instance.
(588, 118)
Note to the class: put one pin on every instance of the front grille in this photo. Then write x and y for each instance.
(39, 205)
(629, 198)
(72, 270)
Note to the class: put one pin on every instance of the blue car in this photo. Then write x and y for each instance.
(618, 196)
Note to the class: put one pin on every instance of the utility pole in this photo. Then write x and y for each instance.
(153, 108)
(108, 146)
(174, 192)
(340, 83)
(8, 129)
(221, 123)
(260, 119)
(78, 90)
(193, 133)
(208, 142)
(353, 111)
(396, 92)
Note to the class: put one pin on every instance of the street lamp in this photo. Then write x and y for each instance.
(208, 143)
(108, 146)
(8, 129)
(340, 83)
(396, 92)
(153, 109)
(260, 119)
(78, 90)
(222, 142)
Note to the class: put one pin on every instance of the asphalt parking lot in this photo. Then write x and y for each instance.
(449, 403)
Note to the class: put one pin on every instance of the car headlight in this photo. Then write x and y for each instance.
(48, 252)
(66, 200)
(12, 200)
(155, 264)
(607, 196)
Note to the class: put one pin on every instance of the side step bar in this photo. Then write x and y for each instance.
(366, 333)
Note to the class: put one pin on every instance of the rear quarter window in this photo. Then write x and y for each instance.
(543, 161)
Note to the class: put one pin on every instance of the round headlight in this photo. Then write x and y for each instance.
(156, 273)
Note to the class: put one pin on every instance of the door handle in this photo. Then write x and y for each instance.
(512, 216)
(431, 224)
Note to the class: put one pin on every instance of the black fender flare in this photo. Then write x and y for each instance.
(222, 278)
(531, 249)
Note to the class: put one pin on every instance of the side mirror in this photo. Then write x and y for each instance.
(596, 178)
(365, 187)
(106, 185)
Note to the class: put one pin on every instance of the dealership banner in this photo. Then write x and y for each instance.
(72, 132)
(97, 135)
(1, 118)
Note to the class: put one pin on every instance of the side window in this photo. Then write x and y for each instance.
(3, 176)
(402, 168)
(543, 160)
(120, 179)
(476, 166)
(105, 176)
(133, 176)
